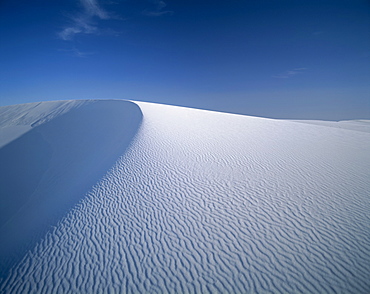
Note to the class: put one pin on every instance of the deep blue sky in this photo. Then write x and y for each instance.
(281, 59)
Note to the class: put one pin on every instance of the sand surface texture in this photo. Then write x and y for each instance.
(207, 202)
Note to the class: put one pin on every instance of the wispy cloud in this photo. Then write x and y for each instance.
(158, 10)
(290, 73)
(88, 20)
(76, 53)
(83, 23)
(92, 8)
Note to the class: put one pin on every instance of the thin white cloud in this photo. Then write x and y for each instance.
(290, 73)
(76, 53)
(68, 33)
(158, 10)
(83, 23)
(87, 20)
(92, 8)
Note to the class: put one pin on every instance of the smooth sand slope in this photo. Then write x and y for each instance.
(207, 202)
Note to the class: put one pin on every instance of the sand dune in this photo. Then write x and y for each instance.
(67, 147)
(354, 125)
(207, 202)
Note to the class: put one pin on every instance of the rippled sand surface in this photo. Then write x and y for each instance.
(207, 202)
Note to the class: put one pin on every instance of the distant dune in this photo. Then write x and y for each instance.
(130, 197)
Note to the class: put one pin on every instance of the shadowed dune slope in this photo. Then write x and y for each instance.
(61, 151)
(207, 202)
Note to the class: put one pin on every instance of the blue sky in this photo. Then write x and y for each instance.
(280, 59)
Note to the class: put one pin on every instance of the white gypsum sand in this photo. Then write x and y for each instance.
(207, 202)
(46, 170)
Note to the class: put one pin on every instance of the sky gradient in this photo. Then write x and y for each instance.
(279, 59)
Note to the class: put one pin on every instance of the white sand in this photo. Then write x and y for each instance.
(207, 202)
(354, 125)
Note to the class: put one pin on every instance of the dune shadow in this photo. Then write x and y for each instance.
(49, 169)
